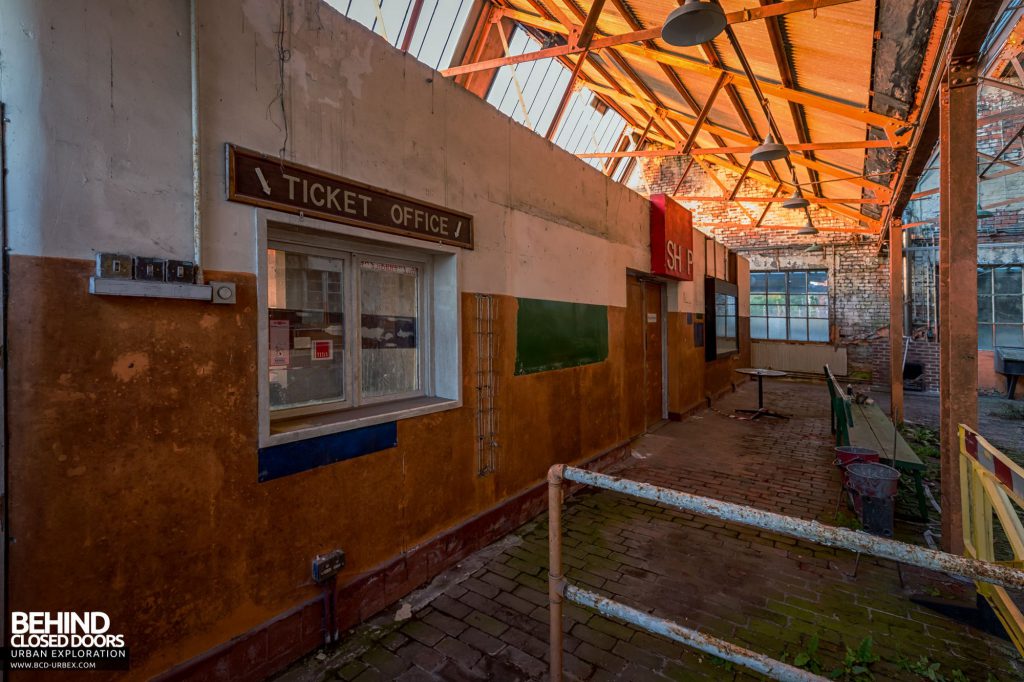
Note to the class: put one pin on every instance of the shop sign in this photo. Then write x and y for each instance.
(268, 181)
(671, 239)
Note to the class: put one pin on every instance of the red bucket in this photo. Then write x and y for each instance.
(849, 454)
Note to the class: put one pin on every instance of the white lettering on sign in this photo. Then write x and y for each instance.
(321, 195)
(673, 257)
(420, 220)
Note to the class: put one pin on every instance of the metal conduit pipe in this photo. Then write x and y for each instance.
(197, 251)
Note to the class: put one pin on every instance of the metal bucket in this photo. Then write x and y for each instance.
(851, 454)
(873, 480)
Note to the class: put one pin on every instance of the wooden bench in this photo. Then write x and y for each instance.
(866, 426)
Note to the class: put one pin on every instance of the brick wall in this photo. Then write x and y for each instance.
(858, 276)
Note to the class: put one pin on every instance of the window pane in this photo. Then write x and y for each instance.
(776, 327)
(818, 311)
(776, 282)
(984, 281)
(1009, 335)
(985, 336)
(984, 309)
(757, 281)
(305, 296)
(817, 282)
(730, 326)
(799, 299)
(817, 330)
(777, 299)
(389, 304)
(758, 310)
(757, 299)
(1008, 280)
(798, 311)
(798, 330)
(758, 328)
(797, 282)
(818, 299)
(777, 310)
(1008, 308)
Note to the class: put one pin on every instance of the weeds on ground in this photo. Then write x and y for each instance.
(808, 658)
(856, 664)
(927, 669)
(1008, 411)
(846, 520)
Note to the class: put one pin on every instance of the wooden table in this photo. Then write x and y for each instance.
(761, 411)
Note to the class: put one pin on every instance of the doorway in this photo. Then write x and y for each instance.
(646, 314)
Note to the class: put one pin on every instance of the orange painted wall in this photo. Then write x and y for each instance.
(133, 462)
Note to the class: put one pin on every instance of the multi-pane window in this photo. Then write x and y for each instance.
(725, 323)
(344, 329)
(789, 305)
(1000, 306)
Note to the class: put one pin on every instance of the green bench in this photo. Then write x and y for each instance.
(866, 426)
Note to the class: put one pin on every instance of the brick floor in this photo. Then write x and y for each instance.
(487, 618)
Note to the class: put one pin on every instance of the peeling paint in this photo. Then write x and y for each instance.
(129, 366)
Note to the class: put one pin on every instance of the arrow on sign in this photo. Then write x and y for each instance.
(263, 181)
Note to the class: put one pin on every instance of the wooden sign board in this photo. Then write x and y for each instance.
(267, 181)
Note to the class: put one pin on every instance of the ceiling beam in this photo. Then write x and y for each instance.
(777, 200)
(621, 42)
(821, 228)
(743, 149)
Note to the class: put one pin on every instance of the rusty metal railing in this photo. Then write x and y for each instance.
(559, 589)
(992, 483)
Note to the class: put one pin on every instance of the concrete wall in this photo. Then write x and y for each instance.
(133, 422)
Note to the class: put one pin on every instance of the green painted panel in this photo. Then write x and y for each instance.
(554, 335)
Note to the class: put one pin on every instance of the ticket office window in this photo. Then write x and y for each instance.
(346, 329)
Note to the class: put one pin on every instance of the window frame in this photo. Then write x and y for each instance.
(993, 324)
(712, 288)
(788, 317)
(440, 339)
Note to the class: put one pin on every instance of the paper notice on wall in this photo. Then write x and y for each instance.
(323, 349)
(302, 342)
(280, 336)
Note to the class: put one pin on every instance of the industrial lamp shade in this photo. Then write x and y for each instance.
(813, 248)
(808, 228)
(693, 23)
(770, 150)
(796, 200)
(984, 212)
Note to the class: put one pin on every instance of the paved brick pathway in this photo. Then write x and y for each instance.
(487, 618)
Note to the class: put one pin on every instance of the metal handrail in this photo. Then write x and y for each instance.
(559, 589)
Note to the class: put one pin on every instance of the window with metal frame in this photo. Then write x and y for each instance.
(790, 305)
(346, 328)
(1000, 306)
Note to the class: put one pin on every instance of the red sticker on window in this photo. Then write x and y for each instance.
(323, 349)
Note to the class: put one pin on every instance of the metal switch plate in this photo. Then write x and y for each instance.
(113, 265)
(150, 269)
(328, 565)
(223, 292)
(183, 271)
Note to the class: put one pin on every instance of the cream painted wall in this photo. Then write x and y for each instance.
(101, 135)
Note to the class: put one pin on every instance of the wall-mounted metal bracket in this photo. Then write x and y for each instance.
(214, 292)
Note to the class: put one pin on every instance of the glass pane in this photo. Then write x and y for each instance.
(757, 281)
(819, 299)
(777, 310)
(777, 299)
(817, 330)
(818, 311)
(1007, 279)
(984, 309)
(1008, 308)
(985, 336)
(758, 311)
(799, 299)
(797, 282)
(798, 330)
(757, 299)
(306, 351)
(798, 311)
(389, 300)
(730, 326)
(758, 328)
(984, 281)
(776, 327)
(776, 282)
(1009, 335)
(817, 282)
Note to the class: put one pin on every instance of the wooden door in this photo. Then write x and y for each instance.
(653, 334)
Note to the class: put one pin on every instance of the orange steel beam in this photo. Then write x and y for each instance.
(586, 32)
(414, 19)
(774, 199)
(682, 178)
(718, 181)
(745, 149)
(1002, 85)
(821, 228)
(768, 206)
(623, 41)
(703, 115)
(739, 182)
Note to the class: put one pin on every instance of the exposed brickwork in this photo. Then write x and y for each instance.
(488, 619)
(858, 274)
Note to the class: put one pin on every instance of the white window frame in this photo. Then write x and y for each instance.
(438, 330)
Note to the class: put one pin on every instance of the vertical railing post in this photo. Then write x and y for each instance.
(555, 568)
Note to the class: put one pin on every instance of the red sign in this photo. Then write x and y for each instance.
(671, 239)
(323, 349)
